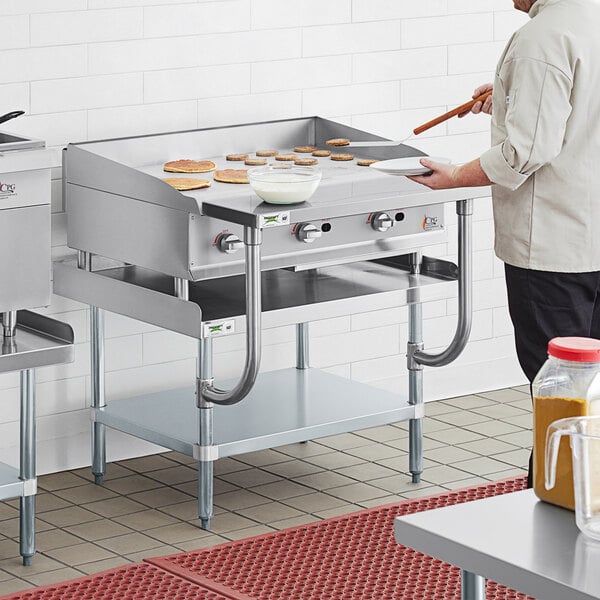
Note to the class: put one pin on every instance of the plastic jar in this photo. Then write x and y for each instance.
(567, 385)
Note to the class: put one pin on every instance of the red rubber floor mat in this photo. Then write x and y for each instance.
(132, 582)
(354, 557)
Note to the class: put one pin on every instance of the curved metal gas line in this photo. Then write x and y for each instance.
(464, 210)
(206, 388)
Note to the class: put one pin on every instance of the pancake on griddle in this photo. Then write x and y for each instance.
(338, 142)
(284, 157)
(184, 184)
(232, 176)
(305, 149)
(306, 162)
(255, 162)
(342, 157)
(266, 153)
(322, 153)
(236, 157)
(184, 165)
(366, 162)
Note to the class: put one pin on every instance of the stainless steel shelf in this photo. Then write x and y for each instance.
(39, 341)
(284, 407)
(288, 296)
(10, 484)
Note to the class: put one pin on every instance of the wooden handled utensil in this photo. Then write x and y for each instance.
(452, 113)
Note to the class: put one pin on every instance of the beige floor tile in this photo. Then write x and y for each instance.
(304, 450)
(424, 492)
(266, 513)
(293, 468)
(185, 511)
(387, 499)
(158, 497)
(345, 441)
(402, 445)
(481, 466)
(144, 464)
(313, 503)
(79, 554)
(509, 473)
(524, 404)
(282, 489)
(219, 487)
(250, 478)
(399, 484)
(229, 465)
(450, 454)
(366, 471)
(374, 452)
(524, 439)
(99, 530)
(337, 511)
(84, 494)
(239, 499)
(382, 434)
(4, 576)
(464, 483)
(7, 512)
(55, 538)
(433, 424)
(468, 402)
(505, 395)
(146, 519)
(324, 480)
(10, 528)
(174, 475)
(104, 565)
(444, 473)
(179, 532)
(295, 522)
(228, 521)
(184, 459)
(462, 418)
(56, 576)
(41, 564)
(113, 471)
(433, 409)
(115, 507)
(400, 464)
(8, 549)
(263, 458)
(240, 534)
(206, 542)
(501, 411)
(132, 484)
(516, 458)
(493, 428)
(488, 446)
(46, 501)
(454, 436)
(15, 585)
(525, 420)
(59, 481)
(334, 460)
(129, 543)
(73, 515)
(357, 492)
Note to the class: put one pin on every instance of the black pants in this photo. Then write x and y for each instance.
(544, 305)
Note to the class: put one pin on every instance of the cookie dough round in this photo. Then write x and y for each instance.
(342, 157)
(232, 176)
(338, 142)
(184, 165)
(184, 184)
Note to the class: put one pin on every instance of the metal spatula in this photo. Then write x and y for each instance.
(452, 113)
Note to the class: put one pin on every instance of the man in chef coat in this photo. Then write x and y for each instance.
(544, 167)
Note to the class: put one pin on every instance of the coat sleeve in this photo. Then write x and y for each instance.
(538, 106)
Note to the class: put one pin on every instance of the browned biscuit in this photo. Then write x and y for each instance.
(285, 157)
(266, 152)
(187, 183)
(232, 176)
(342, 157)
(338, 142)
(255, 162)
(185, 165)
(366, 162)
(322, 153)
(236, 157)
(304, 149)
(306, 162)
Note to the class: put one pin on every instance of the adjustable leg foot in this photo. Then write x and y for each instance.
(416, 477)
(27, 561)
(205, 524)
(98, 478)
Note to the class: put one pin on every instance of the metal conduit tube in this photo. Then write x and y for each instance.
(207, 390)
(464, 210)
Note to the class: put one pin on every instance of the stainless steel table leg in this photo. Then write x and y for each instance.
(205, 437)
(302, 346)
(84, 261)
(472, 586)
(27, 467)
(9, 323)
(415, 382)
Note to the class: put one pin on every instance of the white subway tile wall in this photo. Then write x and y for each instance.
(90, 69)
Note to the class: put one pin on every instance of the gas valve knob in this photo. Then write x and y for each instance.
(229, 243)
(308, 233)
(381, 221)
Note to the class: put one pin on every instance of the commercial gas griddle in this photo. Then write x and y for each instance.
(218, 261)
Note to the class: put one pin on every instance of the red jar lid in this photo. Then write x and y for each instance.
(577, 349)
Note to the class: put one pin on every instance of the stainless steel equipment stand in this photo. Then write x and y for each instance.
(34, 341)
(472, 586)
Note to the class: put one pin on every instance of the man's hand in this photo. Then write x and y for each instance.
(478, 107)
(444, 177)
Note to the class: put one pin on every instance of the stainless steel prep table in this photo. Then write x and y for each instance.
(175, 260)
(513, 539)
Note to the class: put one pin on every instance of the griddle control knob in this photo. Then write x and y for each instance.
(229, 243)
(381, 221)
(308, 233)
